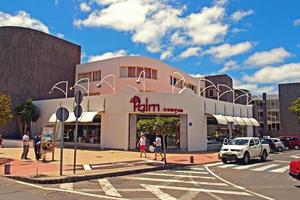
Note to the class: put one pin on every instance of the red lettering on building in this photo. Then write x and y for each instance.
(143, 107)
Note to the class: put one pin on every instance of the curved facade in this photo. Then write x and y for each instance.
(31, 62)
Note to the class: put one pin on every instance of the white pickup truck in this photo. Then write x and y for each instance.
(244, 149)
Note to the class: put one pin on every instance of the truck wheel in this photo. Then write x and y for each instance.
(296, 147)
(224, 160)
(246, 158)
(264, 156)
(279, 149)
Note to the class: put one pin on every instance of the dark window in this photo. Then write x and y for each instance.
(97, 75)
(139, 71)
(154, 74)
(148, 73)
(131, 71)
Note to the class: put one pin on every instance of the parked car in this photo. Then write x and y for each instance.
(270, 143)
(295, 169)
(244, 148)
(286, 142)
(278, 144)
(294, 141)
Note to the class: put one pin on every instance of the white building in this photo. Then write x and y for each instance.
(111, 112)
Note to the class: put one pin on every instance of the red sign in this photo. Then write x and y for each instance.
(138, 106)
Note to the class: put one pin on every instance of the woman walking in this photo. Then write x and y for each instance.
(142, 144)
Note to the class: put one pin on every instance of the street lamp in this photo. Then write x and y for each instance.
(245, 94)
(79, 85)
(229, 90)
(256, 98)
(181, 79)
(138, 81)
(58, 88)
(212, 85)
(110, 85)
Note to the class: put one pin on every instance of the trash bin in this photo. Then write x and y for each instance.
(7, 168)
(191, 159)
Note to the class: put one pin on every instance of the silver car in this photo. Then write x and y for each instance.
(279, 144)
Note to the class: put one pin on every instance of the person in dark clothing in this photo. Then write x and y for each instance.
(37, 145)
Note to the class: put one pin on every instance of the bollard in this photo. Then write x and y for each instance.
(191, 159)
(7, 168)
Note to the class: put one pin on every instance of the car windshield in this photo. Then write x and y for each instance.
(239, 142)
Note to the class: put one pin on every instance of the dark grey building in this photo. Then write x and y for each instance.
(219, 79)
(30, 63)
(288, 121)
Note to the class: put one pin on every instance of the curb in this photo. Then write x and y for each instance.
(77, 178)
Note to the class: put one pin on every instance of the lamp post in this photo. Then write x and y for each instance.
(113, 87)
(212, 85)
(87, 90)
(229, 90)
(245, 94)
(256, 98)
(181, 79)
(138, 81)
(58, 88)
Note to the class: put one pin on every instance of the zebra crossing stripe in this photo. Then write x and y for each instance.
(248, 166)
(66, 186)
(281, 170)
(191, 172)
(179, 175)
(87, 167)
(198, 190)
(264, 167)
(174, 181)
(227, 165)
(196, 168)
(108, 188)
(158, 193)
(213, 164)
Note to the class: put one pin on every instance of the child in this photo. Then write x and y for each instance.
(142, 144)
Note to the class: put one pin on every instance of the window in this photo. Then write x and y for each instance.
(211, 93)
(154, 74)
(251, 143)
(148, 73)
(256, 141)
(97, 76)
(85, 75)
(139, 70)
(131, 72)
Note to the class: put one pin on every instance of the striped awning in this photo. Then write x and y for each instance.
(85, 117)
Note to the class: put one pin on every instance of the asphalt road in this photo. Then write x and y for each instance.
(218, 181)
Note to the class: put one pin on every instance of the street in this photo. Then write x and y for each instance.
(268, 180)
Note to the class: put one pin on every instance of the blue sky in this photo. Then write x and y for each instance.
(256, 42)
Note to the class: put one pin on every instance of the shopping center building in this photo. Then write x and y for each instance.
(121, 91)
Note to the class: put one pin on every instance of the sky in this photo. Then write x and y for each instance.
(255, 42)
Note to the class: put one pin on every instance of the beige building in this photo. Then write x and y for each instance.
(134, 88)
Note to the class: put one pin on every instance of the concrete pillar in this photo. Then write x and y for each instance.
(183, 132)
(132, 131)
(265, 114)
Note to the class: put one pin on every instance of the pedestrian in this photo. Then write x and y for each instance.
(142, 144)
(1, 141)
(37, 145)
(26, 142)
(157, 145)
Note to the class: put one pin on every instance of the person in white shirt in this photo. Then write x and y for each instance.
(142, 144)
(157, 145)
(26, 143)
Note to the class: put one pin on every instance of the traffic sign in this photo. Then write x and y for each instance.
(62, 114)
(77, 111)
(78, 97)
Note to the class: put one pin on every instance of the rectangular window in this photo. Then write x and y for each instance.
(123, 72)
(211, 93)
(85, 75)
(148, 73)
(139, 71)
(131, 72)
(154, 74)
(97, 75)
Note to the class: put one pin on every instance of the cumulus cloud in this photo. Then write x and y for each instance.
(107, 55)
(285, 73)
(197, 75)
(263, 58)
(240, 14)
(238, 30)
(192, 51)
(159, 24)
(296, 22)
(166, 54)
(228, 66)
(84, 7)
(227, 50)
(253, 87)
(22, 19)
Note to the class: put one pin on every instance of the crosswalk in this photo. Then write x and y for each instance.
(274, 167)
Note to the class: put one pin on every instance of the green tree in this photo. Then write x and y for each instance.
(295, 108)
(5, 109)
(26, 113)
(159, 125)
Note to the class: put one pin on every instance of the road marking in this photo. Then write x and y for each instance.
(264, 167)
(179, 175)
(174, 181)
(71, 191)
(227, 165)
(214, 164)
(248, 166)
(108, 188)
(190, 172)
(198, 190)
(281, 170)
(66, 186)
(158, 193)
(196, 168)
(295, 156)
(281, 161)
(87, 167)
(237, 186)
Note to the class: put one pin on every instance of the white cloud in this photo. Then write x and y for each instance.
(107, 55)
(296, 22)
(192, 51)
(254, 88)
(178, 39)
(285, 73)
(276, 55)
(84, 7)
(240, 14)
(166, 54)
(228, 66)
(60, 35)
(227, 50)
(238, 30)
(197, 75)
(22, 19)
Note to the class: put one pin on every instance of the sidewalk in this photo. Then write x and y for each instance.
(91, 164)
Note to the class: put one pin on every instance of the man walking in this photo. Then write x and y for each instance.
(157, 145)
(26, 142)
(37, 145)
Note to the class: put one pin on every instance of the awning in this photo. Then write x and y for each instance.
(254, 122)
(220, 119)
(85, 117)
(230, 119)
(239, 121)
(247, 121)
